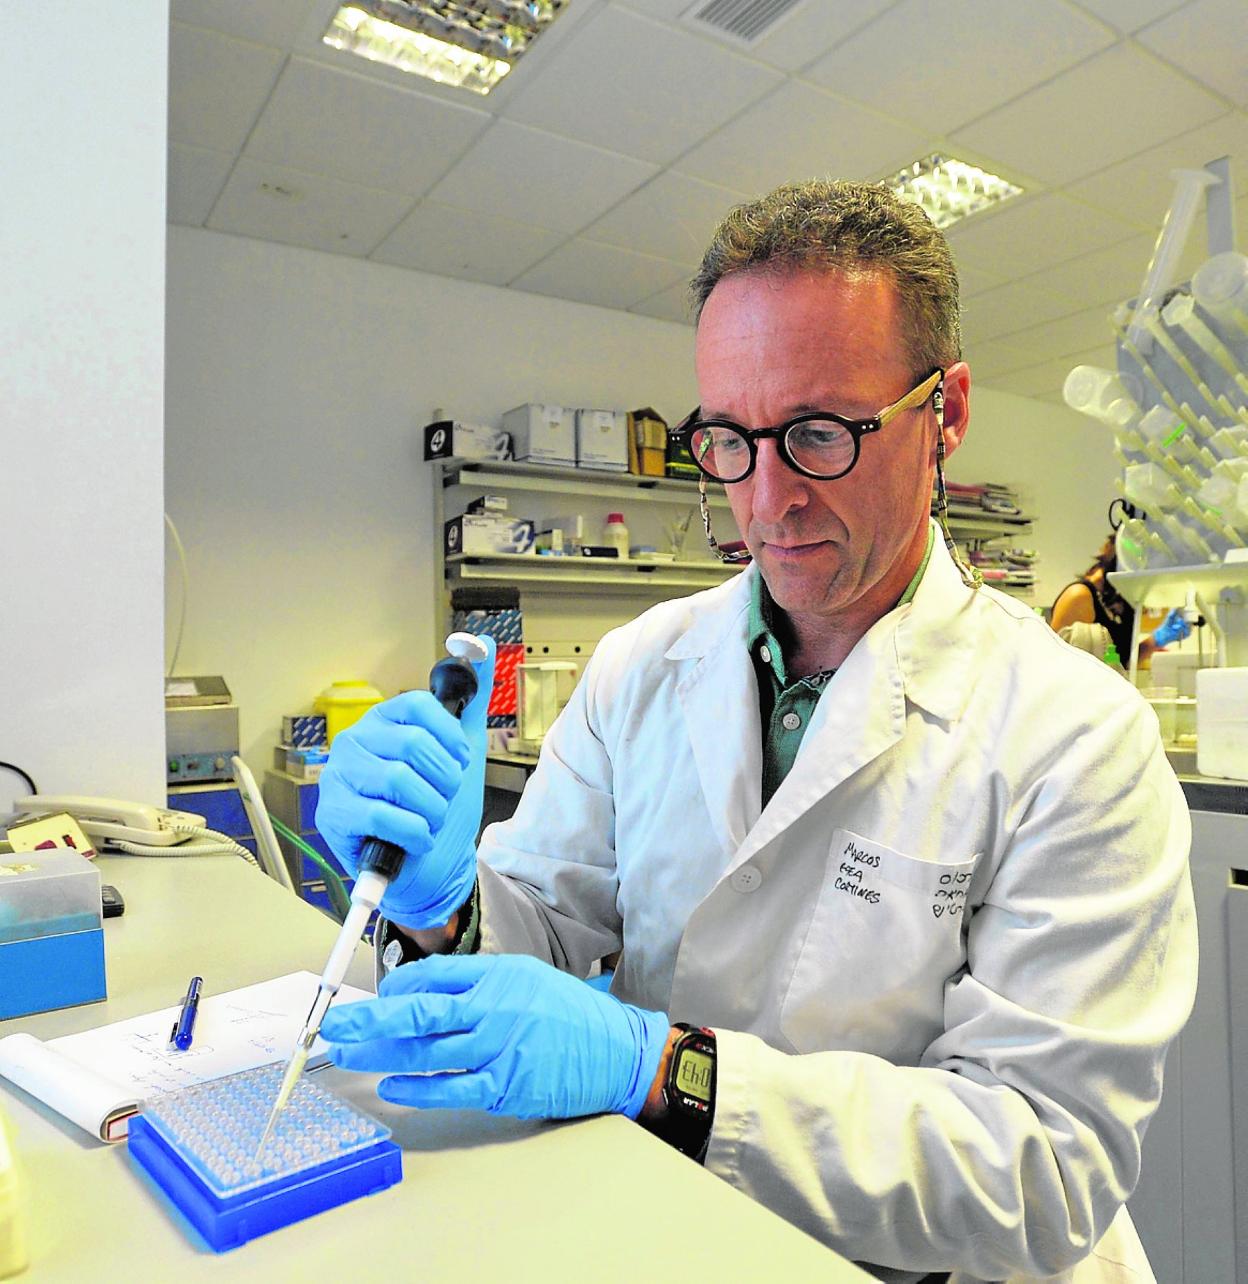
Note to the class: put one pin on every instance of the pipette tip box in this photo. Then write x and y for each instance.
(199, 1147)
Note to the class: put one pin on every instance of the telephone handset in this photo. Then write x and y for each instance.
(135, 827)
(108, 820)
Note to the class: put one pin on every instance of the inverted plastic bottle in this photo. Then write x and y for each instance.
(1221, 287)
(1112, 398)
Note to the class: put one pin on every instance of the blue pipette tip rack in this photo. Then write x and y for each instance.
(199, 1146)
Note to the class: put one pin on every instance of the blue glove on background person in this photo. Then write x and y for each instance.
(411, 774)
(505, 1033)
(1174, 628)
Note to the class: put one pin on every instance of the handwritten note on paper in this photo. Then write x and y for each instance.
(235, 1031)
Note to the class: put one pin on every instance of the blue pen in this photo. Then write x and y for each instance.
(184, 1026)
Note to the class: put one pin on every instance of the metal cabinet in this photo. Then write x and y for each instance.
(1191, 1205)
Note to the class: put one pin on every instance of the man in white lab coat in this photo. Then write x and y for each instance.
(899, 880)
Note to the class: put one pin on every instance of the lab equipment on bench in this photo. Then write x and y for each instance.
(134, 827)
(199, 1145)
(201, 729)
(453, 682)
(343, 703)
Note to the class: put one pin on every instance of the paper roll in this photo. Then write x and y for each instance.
(95, 1103)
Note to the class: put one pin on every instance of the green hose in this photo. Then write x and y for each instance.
(338, 897)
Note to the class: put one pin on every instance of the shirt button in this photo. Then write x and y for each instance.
(764, 653)
(790, 722)
(747, 879)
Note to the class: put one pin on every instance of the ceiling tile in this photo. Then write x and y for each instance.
(1000, 312)
(196, 177)
(275, 22)
(1113, 273)
(672, 216)
(1129, 15)
(1141, 188)
(1110, 107)
(465, 243)
(1034, 381)
(600, 274)
(804, 33)
(317, 212)
(217, 86)
(990, 357)
(972, 281)
(1208, 39)
(1077, 332)
(325, 121)
(801, 132)
(1003, 48)
(651, 112)
(534, 177)
(1029, 234)
(671, 304)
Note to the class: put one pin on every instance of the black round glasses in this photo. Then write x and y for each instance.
(820, 445)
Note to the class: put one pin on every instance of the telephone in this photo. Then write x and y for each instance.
(134, 827)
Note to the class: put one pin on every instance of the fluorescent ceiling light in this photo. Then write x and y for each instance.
(470, 44)
(949, 189)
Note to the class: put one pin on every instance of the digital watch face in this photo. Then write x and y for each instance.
(695, 1074)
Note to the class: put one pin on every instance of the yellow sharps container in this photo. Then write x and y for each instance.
(343, 703)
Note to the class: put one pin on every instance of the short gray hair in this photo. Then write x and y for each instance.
(852, 227)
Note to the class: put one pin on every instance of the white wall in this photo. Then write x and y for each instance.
(297, 382)
(1063, 467)
(83, 101)
(297, 385)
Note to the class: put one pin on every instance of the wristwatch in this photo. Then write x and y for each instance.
(689, 1093)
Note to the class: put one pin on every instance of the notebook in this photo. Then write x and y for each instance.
(99, 1078)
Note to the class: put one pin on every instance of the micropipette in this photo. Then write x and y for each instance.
(453, 682)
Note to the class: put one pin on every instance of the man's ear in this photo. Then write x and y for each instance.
(957, 409)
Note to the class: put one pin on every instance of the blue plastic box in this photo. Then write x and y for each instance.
(198, 1145)
(51, 932)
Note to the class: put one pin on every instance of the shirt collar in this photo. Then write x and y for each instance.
(761, 628)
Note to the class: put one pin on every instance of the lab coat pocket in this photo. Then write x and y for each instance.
(885, 936)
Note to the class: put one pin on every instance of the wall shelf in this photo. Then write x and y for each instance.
(979, 524)
(571, 574)
(491, 474)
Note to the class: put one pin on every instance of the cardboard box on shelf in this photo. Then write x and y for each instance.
(542, 433)
(647, 443)
(602, 440)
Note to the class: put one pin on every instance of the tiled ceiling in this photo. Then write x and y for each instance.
(598, 168)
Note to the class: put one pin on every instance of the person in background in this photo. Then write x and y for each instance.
(898, 879)
(1091, 599)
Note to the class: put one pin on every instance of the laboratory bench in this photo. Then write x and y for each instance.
(481, 1198)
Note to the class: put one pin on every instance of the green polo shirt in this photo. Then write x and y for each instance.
(785, 706)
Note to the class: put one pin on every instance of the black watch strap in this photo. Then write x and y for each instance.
(689, 1092)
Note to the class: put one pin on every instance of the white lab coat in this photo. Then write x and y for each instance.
(943, 964)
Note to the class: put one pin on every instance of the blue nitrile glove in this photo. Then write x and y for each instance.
(411, 774)
(505, 1033)
(1174, 628)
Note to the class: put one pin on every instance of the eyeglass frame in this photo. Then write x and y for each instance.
(931, 386)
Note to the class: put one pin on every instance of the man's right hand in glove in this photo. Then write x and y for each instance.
(411, 774)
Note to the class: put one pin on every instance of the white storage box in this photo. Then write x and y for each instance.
(602, 440)
(1222, 723)
(542, 434)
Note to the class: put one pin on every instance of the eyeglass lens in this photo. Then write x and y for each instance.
(820, 446)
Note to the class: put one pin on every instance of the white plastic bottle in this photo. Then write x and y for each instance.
(615, 534)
